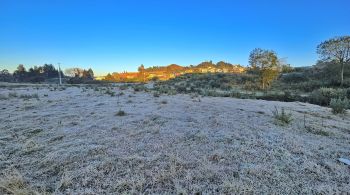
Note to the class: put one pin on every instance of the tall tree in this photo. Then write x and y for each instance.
(141, 70)
(5, 75)
(91, 74)
(336, 49)
(20, 73)
(266, 63)
(49, 71)
(88, 74)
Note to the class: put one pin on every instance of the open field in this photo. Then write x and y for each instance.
(77, 140)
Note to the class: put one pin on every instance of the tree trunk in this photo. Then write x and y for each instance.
(263, 84)
(342, 74)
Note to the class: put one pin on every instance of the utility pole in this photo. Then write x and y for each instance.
(59, 73)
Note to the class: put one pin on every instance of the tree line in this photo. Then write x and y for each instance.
(267, 65)
(45, 73)
(262, 62)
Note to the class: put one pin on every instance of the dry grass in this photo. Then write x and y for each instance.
(13, 183)
(74, 144)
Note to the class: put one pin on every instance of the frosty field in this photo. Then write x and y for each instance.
(74, 140)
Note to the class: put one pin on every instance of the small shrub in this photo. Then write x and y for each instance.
(109, 92)
(282, 117)
(29, 96)
(123, 87)
(140, 87)
(348, 93)
(339, 105)
(12, 95)
(62, 88)
(156, 94)
(316, 131)
(120, 113)
(322, 132)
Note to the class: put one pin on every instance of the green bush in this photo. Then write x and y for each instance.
(323, 96)
(339, 105)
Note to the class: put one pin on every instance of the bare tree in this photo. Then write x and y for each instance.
(336, 49)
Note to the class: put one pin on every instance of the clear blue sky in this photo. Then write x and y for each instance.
(120, 35)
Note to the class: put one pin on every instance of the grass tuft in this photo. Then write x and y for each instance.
(120, 113)
(282, 117)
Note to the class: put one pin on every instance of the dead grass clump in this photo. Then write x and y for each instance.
(109, 92)
(13, 95)
(62, 88)
(29, 96)
(3, 97)
(33, 132)
(123, 87)
(317, 131)
(121, 113)
(140, 87)
(199, 136)
(236, 187)
(65, 182)
(156, 94)
(57, 138)
(282, 117)
(30, 147)
(12, 182)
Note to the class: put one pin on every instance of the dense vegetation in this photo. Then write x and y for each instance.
(34, 74)
(46, 73)
(302, 84)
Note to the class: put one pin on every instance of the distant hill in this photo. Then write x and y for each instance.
(172, 71)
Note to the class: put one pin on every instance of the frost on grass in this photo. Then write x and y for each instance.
(71, 142)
